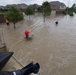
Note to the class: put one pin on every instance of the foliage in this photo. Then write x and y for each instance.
(64, 12)
(29, 11)
(14, 15)
(3, 10)
(68, 11)
(40, 9)
(46, 9)
(71, 14)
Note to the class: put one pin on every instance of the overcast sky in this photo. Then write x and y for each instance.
(5, 2)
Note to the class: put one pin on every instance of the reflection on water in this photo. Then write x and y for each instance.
(53, 47)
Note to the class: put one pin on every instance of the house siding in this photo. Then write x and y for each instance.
(56, 5)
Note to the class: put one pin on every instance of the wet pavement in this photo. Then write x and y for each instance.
(53, 46)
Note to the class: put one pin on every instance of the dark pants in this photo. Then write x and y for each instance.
(27, 36)
(8, 24)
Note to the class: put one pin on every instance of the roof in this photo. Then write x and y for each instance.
(56, 5)
(57, 2)
(34, 6)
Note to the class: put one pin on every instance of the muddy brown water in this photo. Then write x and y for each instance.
(53, 47)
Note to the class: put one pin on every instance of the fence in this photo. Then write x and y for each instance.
(3, 47)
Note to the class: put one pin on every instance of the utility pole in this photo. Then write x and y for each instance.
(68, 6)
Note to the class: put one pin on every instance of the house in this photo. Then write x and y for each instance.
(22, 6)
(74, 5)
(2, 7)
(57, 6)
(19, 6)
(34, 7)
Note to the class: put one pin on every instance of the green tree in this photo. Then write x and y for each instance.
(46, 9)
(69, 11)
(40, 9)
(29, 12)
(3, 10)
(65, 12)
(14, 15)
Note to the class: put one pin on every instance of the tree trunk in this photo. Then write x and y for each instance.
(29, 17)
(44, 18)
(14, 26)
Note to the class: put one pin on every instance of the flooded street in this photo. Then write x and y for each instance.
(54, 47)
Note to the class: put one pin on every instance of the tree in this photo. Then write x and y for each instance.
(29, 12)
(14, 15)
(40, 9)
(46, 9)
(69, 11)
(3, 10)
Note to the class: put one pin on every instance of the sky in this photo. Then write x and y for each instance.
(5, 2)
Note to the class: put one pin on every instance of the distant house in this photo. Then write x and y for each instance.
(19, 6)
(57, 6)
(8, 6)
(2, 7)
(74, 5)
(34, 7)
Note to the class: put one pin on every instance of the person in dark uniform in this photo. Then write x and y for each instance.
(56, 22)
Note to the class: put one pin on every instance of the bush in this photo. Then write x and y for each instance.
(64, 12)
(71, 14)
(69, 11)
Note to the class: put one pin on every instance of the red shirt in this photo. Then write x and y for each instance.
(7, 21)
(27, 32)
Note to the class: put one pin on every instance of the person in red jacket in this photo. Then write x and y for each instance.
(7, 22)
(26, 33)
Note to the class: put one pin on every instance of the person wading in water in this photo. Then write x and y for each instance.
(7, 22)
(26, 33)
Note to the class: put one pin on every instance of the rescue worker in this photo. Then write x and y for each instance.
(56, 22)
(27, 33)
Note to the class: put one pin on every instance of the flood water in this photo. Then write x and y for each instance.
(53, 47)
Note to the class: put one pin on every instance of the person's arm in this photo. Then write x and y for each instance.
(6, 73)
(30, 68)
